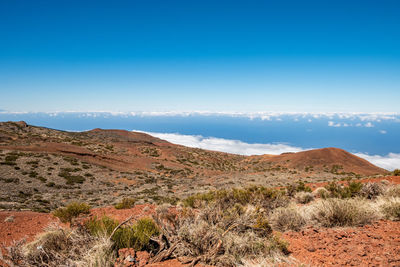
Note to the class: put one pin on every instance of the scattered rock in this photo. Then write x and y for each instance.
(142, 258)
(9, 218)
(128, 257)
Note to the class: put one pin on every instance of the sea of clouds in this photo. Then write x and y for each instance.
(389, 162)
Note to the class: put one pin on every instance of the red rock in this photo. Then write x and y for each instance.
(142, 258)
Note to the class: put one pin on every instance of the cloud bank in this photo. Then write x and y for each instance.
(225, 145)
(388, 162)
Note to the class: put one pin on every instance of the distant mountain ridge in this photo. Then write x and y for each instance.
(134, 150)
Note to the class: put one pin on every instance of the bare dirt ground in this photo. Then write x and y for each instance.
(25, 224)
(372, 245)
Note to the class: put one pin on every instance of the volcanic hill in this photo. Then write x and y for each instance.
(43, 168)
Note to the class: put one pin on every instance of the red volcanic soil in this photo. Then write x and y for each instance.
(26, 224)
(170, 263)
(372, 245)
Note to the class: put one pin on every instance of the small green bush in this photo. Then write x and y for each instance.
(71, 211)
(292, 189)
(135, 236)
(396, 172)
(256, 195)
(71, 179)
(321, 192)
(126, 203)
(338, 191)
(50, 184)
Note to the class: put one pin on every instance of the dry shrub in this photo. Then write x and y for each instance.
(390, 208)
(321, 192)
(218, 236)
(304, 197)
(61, 247)
(372, 190)
(343, 212)
(284, 219)
(393, 191)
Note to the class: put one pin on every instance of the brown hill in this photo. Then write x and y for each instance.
(330, 159)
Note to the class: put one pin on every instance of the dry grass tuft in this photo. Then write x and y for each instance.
(390, 207)
(393, 191)
(304, 197)
(61, 247)
(343, 212)
(321, 192)
(284, 219)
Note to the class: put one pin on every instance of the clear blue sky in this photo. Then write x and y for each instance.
(149, 55)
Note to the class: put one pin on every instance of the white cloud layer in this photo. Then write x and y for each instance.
(388, 162)
(225, 145)
(338, 124)
(263, 115)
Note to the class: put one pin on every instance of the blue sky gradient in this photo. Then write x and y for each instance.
(315, 56)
